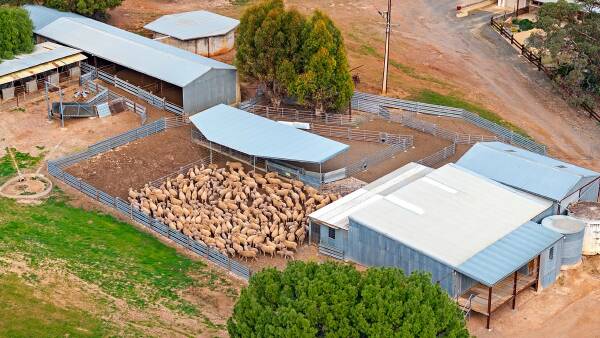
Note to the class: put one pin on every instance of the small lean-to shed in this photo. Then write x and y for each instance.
(561, 182)
(469, 232)
(199, 32)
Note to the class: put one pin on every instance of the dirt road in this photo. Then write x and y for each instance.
(469, 51)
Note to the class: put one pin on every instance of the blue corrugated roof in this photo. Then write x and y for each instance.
(42, 53)
(508, 254)
(525, 170)
(258, 136)
(153, 58)
(42, 16)
(193, 25)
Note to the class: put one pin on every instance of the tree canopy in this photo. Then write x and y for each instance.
(336, 300)
(91, 8)
(571, 38)
(290, 55)
(325, 81)
(16, 33)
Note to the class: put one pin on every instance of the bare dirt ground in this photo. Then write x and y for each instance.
(139, 162)
(569, 308)
(29, 129)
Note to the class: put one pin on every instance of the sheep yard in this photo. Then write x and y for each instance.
(223, 205)
(221, 202)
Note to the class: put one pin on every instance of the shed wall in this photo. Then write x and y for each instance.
(550, 266)
(552, 210)
(590, 194)
(371, 248)
(209, 46)
(215, 87)
(340, 241)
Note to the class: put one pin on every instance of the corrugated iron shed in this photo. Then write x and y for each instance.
(525, 170)
(161, 61)
(450, 214)
(193, 25)
(45, 56)
(507, 255)
(261, 137)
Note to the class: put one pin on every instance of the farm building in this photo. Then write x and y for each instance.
(560, 182)
(48, 62)
(199, 32)
(260, 139)
(477, 238)
(183, 79)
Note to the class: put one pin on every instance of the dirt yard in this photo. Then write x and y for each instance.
(140, 161)
(29, 130)
(569, 308)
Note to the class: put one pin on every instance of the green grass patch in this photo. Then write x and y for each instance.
(99, 249)
(429, 96)
(24, 315)
(24, 161)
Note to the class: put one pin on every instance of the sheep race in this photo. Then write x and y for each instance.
(234, 211)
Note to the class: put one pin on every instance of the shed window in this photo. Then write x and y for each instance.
(331, 233)
(551, 254)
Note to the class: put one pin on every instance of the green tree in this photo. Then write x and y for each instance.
(336, 300)
(91, 8)
(571, 39)
(16, 32)
(325, 82)
(268, 42)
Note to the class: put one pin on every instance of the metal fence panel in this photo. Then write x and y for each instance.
(376, 104)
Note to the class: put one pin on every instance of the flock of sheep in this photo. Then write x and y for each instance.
(236, 212)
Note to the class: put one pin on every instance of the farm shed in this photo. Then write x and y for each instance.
(475, 236)
(48, 62)
(199, 32)
(190, 81)
(560, 182)
(262, 138)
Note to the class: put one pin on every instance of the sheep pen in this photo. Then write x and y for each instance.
(238, 213)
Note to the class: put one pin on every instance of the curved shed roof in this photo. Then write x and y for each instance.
(258, 136)
(193, 25)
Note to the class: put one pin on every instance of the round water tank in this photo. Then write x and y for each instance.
(589, 212)
(573, 230)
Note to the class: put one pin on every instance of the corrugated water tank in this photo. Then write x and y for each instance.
(573, 230)
(589, 212)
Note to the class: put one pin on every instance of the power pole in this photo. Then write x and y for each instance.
(388, 30)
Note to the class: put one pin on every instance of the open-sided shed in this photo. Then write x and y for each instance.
(200, 32)
(262, 138)
(561, 182)
(476, 237)
(27, 72)
(185, 79)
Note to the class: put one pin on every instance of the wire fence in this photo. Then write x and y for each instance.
(371, 103)
(55, 168)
